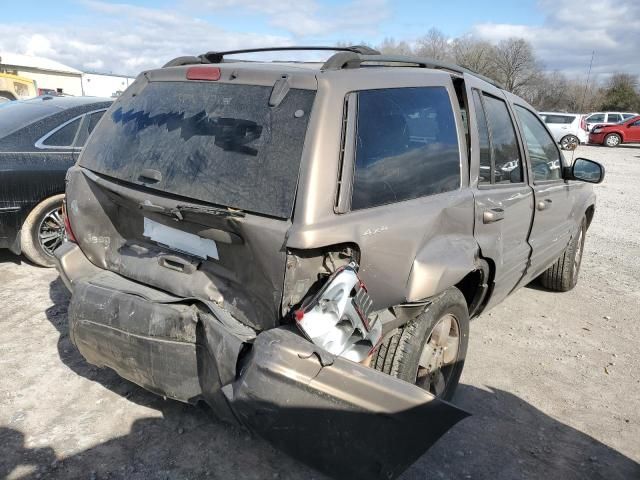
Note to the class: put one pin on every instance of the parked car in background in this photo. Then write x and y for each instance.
(303, 248)
(614, 135)
(39, 140)
(606, 118)
(13, 87)
(568, 129)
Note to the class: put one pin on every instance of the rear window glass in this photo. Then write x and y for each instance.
(16, 115)
(406, 146)
(214, 142)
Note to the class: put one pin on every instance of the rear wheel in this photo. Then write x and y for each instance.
(430, 350)
(612, 140)
(43, 231)
(562, 276)
(569, 142)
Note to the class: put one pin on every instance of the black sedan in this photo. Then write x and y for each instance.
(39, 140)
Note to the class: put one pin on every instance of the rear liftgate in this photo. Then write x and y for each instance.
(339, 416)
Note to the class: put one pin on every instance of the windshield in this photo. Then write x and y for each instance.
(213, 142)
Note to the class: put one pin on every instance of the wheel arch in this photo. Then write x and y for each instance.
(24, 212)
(589, 212)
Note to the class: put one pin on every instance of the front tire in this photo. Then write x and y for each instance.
(569, 142)
(562, 276)
(43, 231)
(430, 350)
(612, 140)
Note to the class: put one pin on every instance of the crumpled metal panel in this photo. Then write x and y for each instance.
(340, 417)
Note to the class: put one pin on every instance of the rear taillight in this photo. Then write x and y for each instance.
(583, 124)
(337, 317)
(203, 73)
(67, 224)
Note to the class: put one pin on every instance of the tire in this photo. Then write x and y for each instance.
(612, 140)
(400, 356)
(569, 142)
(562, 276)
(43, 231)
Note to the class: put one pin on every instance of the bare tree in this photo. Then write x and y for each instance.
(434, 45)
(516, 66)
(476, 55)
(390, 47)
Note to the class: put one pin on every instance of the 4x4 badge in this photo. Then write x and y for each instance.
(370, 231)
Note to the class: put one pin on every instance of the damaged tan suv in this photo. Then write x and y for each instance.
(301, 246)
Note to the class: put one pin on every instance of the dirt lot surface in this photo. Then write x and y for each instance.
(552, 381)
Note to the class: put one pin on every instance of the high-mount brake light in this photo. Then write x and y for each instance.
(203, 73)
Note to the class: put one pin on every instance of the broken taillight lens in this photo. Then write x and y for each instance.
(337, 317)
(67, 224)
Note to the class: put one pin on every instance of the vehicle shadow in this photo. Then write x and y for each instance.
(505, 438)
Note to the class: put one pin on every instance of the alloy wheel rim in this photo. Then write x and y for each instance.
(612, 140)
(569, 143)
(439, 356)
(51, 231)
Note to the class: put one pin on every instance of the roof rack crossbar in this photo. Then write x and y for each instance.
(217, 57)
(343, 60)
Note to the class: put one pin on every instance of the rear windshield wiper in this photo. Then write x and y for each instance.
(179, 209)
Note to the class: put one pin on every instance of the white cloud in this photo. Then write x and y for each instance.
(573, 29)
(304, 18)
(125, 39)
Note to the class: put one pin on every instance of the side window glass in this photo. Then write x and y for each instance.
(543, 153)
(614, 118)
(65, 136)
(406, 146)
(89, 126)
(596, 118)
(483, 139)
(507, 164)
(94, 118)
(636, 123)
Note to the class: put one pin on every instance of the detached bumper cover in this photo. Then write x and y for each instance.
(338, 416)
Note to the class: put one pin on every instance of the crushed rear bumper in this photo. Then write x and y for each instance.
(341, 417)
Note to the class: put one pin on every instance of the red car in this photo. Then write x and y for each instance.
(613, 135)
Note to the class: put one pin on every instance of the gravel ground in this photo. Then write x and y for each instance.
(552, 380)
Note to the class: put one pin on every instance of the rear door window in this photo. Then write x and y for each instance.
(544, 155)
(406, 146)
(505, 154)
(483, 139)
(215, 142)
(614, 118)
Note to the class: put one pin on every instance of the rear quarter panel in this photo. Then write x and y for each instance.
(410, 250)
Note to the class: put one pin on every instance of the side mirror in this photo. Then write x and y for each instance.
(585, 170)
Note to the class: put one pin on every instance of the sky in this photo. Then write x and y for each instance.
(126, 37)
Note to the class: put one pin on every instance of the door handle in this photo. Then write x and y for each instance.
(544, 204)
(493, 215)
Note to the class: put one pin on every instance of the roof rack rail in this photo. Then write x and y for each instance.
(218, 57)
(350, 59)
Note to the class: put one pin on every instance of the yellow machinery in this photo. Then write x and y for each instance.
(13, 87)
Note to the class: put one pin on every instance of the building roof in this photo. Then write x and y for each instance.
(17, 60)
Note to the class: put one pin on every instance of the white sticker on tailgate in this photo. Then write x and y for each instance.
(179, 240)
